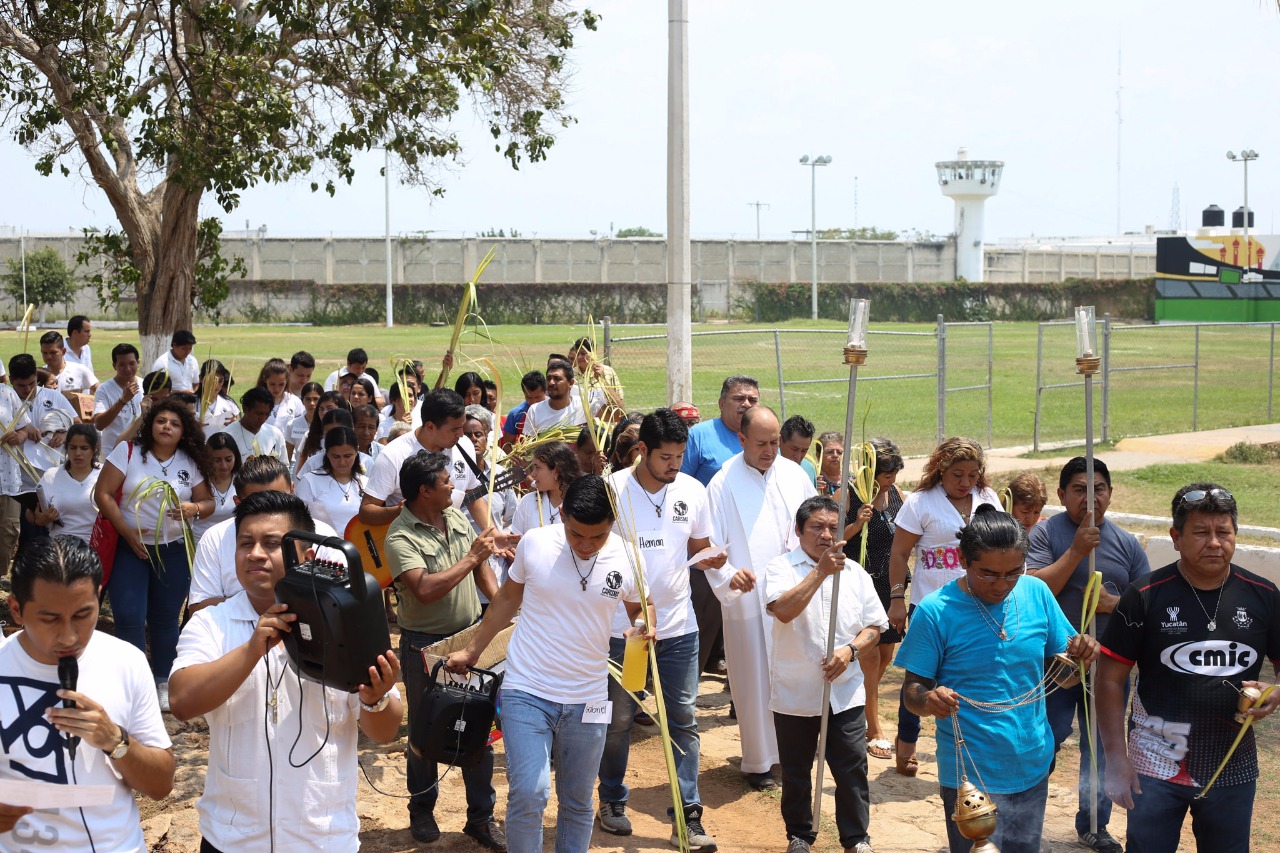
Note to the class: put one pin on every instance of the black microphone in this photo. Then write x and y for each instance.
(68, 674)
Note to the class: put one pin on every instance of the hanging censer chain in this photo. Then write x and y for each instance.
(975, 812)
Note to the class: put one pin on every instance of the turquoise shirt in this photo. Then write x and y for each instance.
(950, 642)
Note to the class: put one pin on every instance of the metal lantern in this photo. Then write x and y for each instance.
(975, 817)
(1088, 362)
(855, 348)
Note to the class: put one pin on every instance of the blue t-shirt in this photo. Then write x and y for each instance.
(1119, 557)
(513, 422)
(711, 444)
(950, 642)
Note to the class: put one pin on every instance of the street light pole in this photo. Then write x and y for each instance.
(386, 172)
(813, 163)
(1245, 156)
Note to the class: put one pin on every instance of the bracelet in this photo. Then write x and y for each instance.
(897, 586)
(897, 597)
(378, 706)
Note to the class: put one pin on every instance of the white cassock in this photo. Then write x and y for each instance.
(755, 515)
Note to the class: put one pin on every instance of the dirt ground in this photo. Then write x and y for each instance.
(906, 814)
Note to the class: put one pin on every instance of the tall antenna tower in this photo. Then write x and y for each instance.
(1175, 209)
(1119, 125)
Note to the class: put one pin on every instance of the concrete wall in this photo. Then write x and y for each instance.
(716, 263)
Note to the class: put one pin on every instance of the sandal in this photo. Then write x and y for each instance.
(907, 765)
(880, 748)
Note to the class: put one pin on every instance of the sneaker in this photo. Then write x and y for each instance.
(162, 694)
(613, 818)
(860, 847)
(1101, 841)
(489, 834)
(698, 838)
(423, 828)
(761, 781)
(797, 845)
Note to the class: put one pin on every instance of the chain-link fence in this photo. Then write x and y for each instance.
(802, 372)
(1157, 379)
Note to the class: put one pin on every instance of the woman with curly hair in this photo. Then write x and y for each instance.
(151, 574)
(555, 467)
(952, 487)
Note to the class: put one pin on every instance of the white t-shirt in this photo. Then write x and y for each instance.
(312, 807)
(116, 676)
(932, 517)
(295, 432)
(541, 417)
(329, 500)
(73, 498)
(12, 411)
(283, 413)
(224, 507)
(213, 572)
(220, 414)
(184, 375)
(560, 649)
(384, 477)
(103, 399)
(331, 383)
(268, 441)
(47, 400)
(180, 472)
(531, 513)
(84, 359)
(75, 377)
(664, 542)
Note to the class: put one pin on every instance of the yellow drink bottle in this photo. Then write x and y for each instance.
(635, 661)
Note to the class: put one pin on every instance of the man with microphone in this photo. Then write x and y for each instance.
(104, 728)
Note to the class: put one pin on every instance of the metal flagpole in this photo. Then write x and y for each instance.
(1088, 363)
(855, 353)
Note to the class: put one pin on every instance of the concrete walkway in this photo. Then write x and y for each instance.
(1129, 453)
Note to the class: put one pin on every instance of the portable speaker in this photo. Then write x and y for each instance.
(342, 624)
(454, 719)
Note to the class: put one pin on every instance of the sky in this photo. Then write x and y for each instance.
(885, 89)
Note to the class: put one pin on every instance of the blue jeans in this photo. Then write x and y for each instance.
(1220, 821)
(421, 776)
(908, 720)
(1019, 827)
(1062, 706)
(148, 597)
(678, 672)
(536, 731)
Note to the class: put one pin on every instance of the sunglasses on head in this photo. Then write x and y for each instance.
(1197, 495)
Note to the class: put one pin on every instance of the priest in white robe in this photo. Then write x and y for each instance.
(754, 499)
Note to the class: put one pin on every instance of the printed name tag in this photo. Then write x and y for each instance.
(598, 712)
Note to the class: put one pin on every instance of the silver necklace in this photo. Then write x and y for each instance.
(1213, 620)
(221, 496)
(164, 469)
(997, 628)
(657, 507)
(346, 489)
(582, 579)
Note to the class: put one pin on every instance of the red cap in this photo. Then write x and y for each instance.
(686, 410)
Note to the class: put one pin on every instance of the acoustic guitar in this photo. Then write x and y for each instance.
(369, 539)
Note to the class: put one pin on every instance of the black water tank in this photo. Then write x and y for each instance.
(1213, 217)
(1237, 217)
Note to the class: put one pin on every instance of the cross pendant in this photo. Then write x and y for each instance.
(1003, 635)
(657, 510)
(584, 584)
(273, 703)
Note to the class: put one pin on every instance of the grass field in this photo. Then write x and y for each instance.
(1233, 377)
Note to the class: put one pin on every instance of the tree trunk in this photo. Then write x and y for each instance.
(166, 292)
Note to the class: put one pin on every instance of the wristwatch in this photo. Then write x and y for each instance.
(378, 706)
(853, 649)
(120, 749)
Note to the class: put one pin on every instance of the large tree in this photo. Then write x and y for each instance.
(163, 101)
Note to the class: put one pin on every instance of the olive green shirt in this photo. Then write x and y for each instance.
(414, 544)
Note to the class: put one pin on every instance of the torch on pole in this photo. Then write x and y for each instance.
(1088, 363)
(855, 353)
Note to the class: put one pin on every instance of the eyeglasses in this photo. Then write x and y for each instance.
(1197, 495)
(1009, 577)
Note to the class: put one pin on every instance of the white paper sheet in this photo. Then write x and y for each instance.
(707, 554)
(45, 795)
